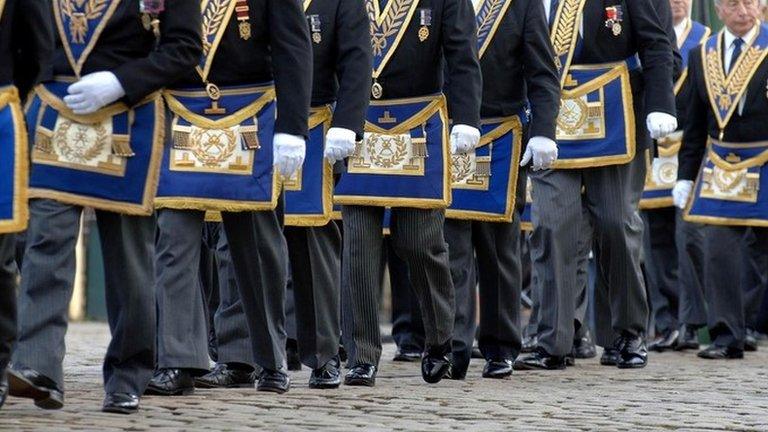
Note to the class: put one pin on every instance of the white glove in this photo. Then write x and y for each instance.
(542, 150)
(681, 193)
(463, 138)
(660, 124)
(288, 153)
(93, 92)
(339, 144)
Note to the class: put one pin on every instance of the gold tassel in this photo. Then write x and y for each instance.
(43, 142)
(180, 140)
(419, 147)
(121, 146)
(483, 168)
(250, 140)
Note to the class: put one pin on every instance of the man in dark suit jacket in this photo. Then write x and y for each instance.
(518, 71)
(434, 30)
(608, 32)
(26, 42)
(726, 231)
(127, 63)
(272, 46)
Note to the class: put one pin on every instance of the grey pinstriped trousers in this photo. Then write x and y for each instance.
(417, 237)
(611, 198)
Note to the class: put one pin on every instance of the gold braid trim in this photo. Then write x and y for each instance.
(492, 13)
(439, 103)
(235, 119)
(18, 222)
(752, 162)
(99, 116)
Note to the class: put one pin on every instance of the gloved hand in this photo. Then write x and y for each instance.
(660, 124)
(288, 152)
(339, 144)
(463, 138)
(542, 150)
(681, 193)
(93, 92)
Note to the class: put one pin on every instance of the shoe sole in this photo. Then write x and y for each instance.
(20, 387)
(325, 386)
(500, 376)
(181, 392)
(269, 389)
(360, 382)
(115, 410)
(203, 385)
(406, 359)
(629, 366)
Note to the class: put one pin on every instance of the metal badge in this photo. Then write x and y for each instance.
(614, 16)
(316, 28)
(425, 20)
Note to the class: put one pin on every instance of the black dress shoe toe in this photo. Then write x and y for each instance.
(540, 359)
(29, 383)
(665, 341)
(714, 352)
(3, 387)
(632, 352)
(584, 347)
(273, 381)
(171, 382)
(610, 357)
(361, 375)
(570, 359)
(328, 376)
(406, 356)
(436, 364)
(226, 376)
(498, 369)
(688, 339)
(120, 403)
(460, 365)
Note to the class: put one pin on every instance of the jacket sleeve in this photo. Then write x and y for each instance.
(291, 65)
(695, 128)
(464, 78)
(177, 52)
(354, 63)
(34, 42)
(655, 55)
(540, 72)
(664, 10)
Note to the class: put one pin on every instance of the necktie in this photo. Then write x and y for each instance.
(553, 4)
(736, 53)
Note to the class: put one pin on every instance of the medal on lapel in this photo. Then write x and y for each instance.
(315, 27)
(150, 10)
(425, 20)
(244, 25)
(614, 16)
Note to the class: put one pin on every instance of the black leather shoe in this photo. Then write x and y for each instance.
(292, 355)
(121, 403)
(688, 338)
(3, 387)
(667, 340)
(328, 376)
(750, 341)
(361, 375)
(529, 344)
(540, 359)
(273, 381)
(610, 357)
(460, 364)
(436, 364)
(31, 384)
(584, 348)
(498, 369)
(570, 359)
(632, 352)
(406, 356)
(224, 376)
(714, 352)
(171, 382)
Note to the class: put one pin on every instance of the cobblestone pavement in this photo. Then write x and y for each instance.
(675, 392)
